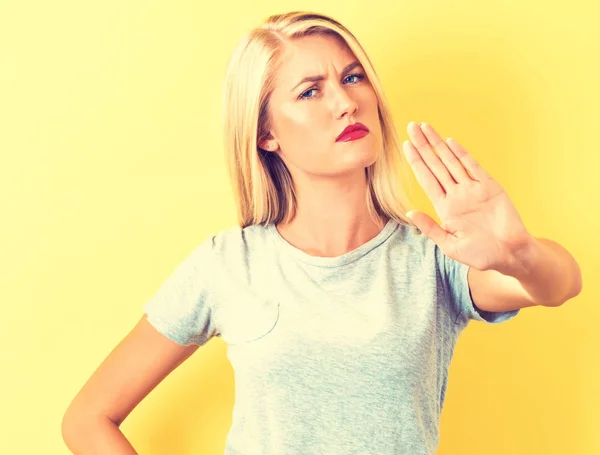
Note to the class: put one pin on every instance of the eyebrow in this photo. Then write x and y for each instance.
(349, 67)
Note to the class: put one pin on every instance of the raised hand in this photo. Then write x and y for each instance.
(480, 225)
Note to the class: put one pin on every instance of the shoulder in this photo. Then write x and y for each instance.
(236, 249)
(237, 239)
(241, 261)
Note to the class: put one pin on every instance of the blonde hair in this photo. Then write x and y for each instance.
(263, 187)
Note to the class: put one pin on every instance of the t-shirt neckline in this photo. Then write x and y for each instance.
(334, 261)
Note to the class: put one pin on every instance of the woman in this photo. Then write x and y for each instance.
(339, 315)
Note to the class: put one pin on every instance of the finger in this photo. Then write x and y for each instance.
(471, 165)
(425, 177)
(431, 229)
(431, 160)
(447, 156)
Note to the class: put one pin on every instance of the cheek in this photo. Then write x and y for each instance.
(301, 127)
(293, 122)
(371, 100)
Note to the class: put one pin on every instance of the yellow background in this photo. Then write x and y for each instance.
(112, 170)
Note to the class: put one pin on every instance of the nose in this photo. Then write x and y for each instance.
(343, 102)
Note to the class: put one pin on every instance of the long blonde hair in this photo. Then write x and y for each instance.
(263, 187)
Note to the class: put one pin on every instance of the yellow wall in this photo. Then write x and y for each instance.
(112, 171)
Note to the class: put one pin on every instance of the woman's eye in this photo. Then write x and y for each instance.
(305, 96)
(359, 76)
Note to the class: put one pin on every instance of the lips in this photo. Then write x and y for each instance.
(350, 129)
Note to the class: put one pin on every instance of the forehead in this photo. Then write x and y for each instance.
(312, 55)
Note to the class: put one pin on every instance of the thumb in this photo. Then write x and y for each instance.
(429, 227)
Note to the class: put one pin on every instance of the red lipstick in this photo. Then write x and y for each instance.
(352, 132)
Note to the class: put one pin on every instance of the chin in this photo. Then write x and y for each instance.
(365, 155)
(359, 162)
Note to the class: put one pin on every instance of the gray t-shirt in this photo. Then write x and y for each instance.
(331, 355)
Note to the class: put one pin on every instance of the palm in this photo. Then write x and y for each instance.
(480, 225)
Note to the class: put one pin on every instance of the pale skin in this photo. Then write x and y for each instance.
(331, 178)
(510, 268)
(332, 216)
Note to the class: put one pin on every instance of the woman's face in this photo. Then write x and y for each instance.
(307, 117)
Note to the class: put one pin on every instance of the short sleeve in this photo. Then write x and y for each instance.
(456, 286)
(181, 308)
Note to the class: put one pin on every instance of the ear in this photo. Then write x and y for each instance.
(269, 144)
